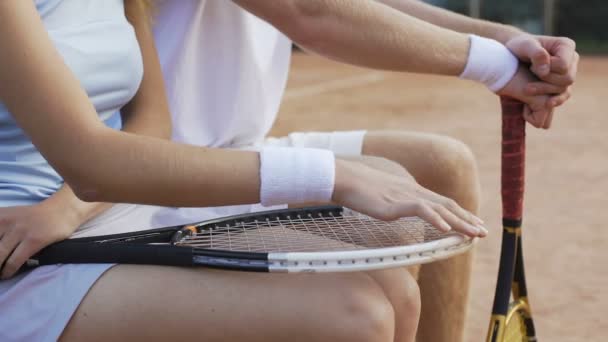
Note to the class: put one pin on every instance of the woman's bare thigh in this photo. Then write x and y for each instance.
(155, 303)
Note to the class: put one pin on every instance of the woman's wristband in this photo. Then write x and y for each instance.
(490, 63)
(296, 175)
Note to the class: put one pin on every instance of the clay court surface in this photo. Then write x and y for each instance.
(566, 205)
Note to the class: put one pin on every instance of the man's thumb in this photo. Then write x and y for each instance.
(540, 58)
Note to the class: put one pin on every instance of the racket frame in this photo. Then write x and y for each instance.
(126, 249)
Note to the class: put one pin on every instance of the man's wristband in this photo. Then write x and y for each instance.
(490, 63)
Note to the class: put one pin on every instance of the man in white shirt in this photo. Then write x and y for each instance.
(226, 64)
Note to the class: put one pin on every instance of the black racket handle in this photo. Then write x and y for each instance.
(124, 253)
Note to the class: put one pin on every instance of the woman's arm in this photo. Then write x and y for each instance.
(101, 164)
(146, 114)
(26, 230)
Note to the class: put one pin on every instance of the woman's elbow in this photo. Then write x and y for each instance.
(84, 188)
(166, 129)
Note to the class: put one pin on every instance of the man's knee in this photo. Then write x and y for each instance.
(360, 311)
(452, 171)
(401, 286)
(382, 164)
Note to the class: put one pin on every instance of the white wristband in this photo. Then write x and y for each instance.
(296, 175)
(490, 63)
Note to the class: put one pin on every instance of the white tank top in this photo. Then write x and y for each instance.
(100, 48)
(225, 71)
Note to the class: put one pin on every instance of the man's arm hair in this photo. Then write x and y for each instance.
(366, 33)
(454, 21)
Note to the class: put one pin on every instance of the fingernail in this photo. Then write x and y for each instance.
(479, 220)
(544, 69)
(484, 231)
(445, 227)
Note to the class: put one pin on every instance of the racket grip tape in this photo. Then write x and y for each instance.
(125, 253)
(513, 158)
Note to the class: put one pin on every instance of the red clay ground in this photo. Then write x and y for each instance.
(567, 177)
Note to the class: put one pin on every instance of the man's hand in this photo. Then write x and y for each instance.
(553, 59)
(25, 230)
(537, 112)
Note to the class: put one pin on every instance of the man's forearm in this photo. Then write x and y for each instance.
(454, 21)
(366, 33)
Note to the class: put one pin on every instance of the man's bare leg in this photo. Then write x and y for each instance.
(447, 167)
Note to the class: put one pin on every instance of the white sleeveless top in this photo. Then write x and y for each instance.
(99, 46)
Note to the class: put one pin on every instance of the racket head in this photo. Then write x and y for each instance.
(317, 239)
(323, 239)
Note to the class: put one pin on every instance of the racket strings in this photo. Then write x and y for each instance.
(310, 233)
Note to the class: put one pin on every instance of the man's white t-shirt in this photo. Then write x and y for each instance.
(225, 71)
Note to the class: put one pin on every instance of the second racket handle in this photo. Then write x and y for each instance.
(513, 158)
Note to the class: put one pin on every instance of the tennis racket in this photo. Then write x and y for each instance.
(512, 319)
(317, 239)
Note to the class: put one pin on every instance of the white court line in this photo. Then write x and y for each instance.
(345, 83)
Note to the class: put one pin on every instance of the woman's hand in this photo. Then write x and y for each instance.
(25, 230)
(389, 197)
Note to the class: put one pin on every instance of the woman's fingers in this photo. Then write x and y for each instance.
(7, 245)
(23, 251)
(444, 216)
(455, 208)
(459, 224)
(425, 212)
